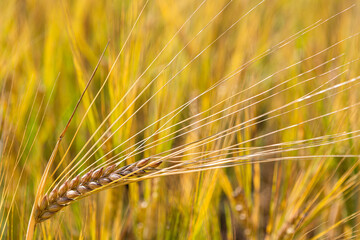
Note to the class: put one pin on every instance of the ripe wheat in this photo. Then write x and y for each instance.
(195, 86)
(79, 187)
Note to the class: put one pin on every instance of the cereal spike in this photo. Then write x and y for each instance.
(73, 189)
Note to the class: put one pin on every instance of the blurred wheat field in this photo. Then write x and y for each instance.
(252, 107)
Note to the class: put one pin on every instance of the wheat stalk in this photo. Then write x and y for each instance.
(79, 187)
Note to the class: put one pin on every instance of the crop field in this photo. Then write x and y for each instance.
(191, 119)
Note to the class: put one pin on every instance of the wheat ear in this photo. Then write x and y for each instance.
(79, 187)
